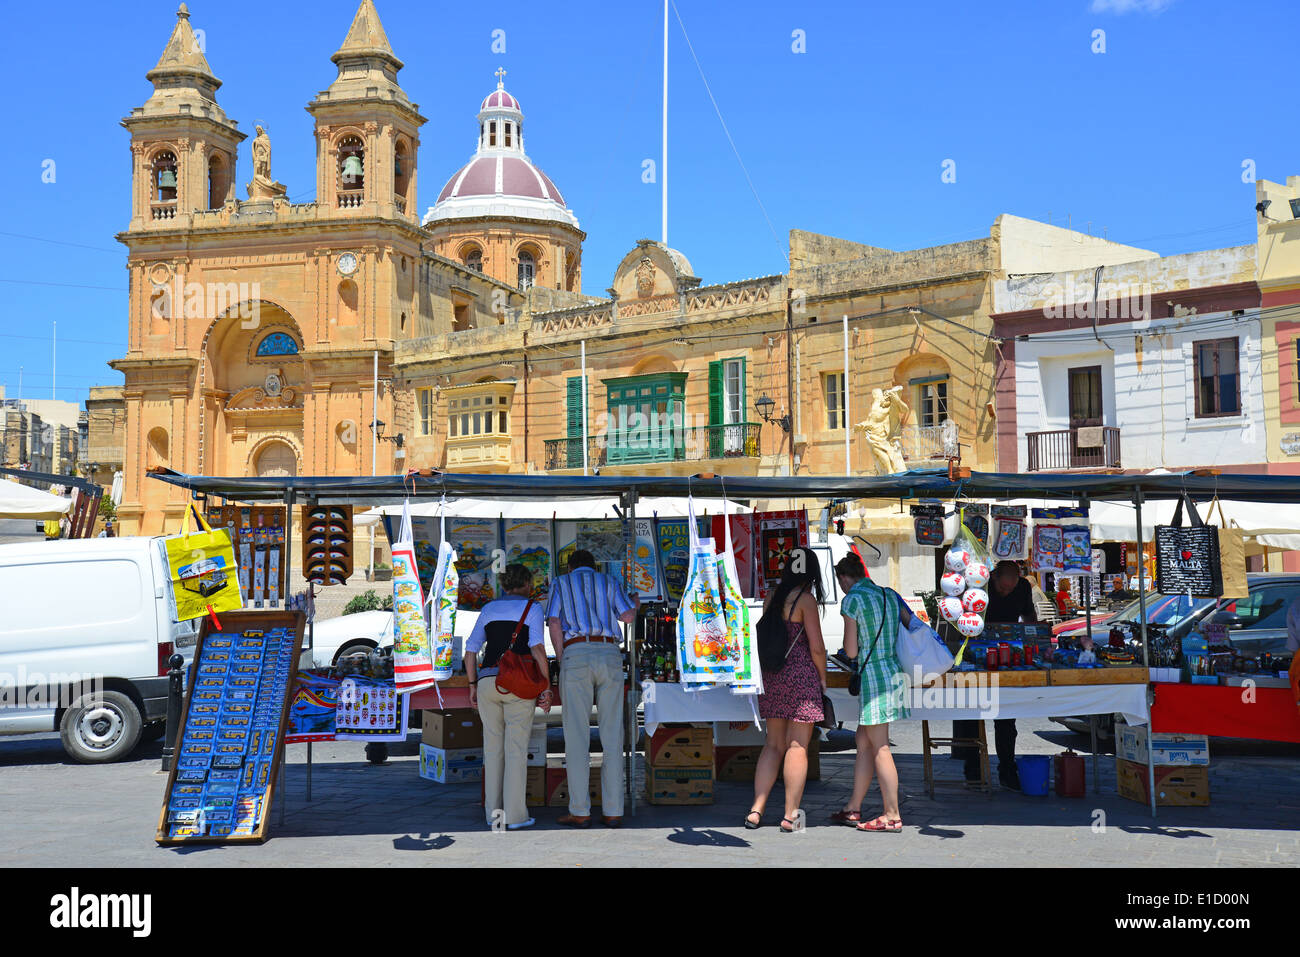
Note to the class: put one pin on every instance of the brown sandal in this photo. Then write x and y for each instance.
(845, 817)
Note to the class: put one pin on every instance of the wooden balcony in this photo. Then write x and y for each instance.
(1061, 449)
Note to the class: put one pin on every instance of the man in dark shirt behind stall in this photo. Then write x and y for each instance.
(1011, 599)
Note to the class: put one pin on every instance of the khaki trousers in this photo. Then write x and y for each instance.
(593, 672)
(507, 723)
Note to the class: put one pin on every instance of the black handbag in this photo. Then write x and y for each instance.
(1188, 557)
(828, 714)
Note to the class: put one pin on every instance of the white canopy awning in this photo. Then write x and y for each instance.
(20, 501)
(1277, 526)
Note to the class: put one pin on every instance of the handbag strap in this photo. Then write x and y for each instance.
(879, 628)
(510, 645)
(1192, 514)
(797, 596)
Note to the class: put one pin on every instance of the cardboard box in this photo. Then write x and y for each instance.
(534, 790)
(1180, 750)
(1175, 786)
(557, 786)
(452, 730)
(677, 746)
(680, 785)
(536, 757)
(737, 763)
(459, 766)
(738, 734)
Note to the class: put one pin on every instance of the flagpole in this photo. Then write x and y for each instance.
(663, 169)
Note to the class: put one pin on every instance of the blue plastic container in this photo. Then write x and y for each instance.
(1035, 774)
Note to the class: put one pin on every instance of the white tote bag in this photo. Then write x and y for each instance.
(922, 653)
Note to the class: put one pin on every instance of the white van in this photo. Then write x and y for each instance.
(86, 629)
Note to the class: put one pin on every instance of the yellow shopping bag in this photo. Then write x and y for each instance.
(205, 578)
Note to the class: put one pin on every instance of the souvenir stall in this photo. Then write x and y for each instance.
(710, 633)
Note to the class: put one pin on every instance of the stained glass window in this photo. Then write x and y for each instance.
(277, 344)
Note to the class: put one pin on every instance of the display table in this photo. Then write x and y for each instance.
(1220, 710)
(669, 703)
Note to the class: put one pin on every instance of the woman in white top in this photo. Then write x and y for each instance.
(507, 718)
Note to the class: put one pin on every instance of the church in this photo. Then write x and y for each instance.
(262, 331)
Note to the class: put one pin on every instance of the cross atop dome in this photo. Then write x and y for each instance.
(499, 100)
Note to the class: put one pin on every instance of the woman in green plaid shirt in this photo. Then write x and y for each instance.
(872, 616)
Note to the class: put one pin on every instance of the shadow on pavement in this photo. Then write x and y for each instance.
(706, 838)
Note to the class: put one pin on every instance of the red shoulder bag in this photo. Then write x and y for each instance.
(519, 674)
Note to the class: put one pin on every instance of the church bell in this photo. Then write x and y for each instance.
(167, 179)
(352, 168)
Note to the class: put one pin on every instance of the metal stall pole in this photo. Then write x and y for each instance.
(310, 610)
(1146, 654)
(284, 593)
(630, 728)
(1086, 594)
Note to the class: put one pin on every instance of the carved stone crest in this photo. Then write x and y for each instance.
(645, 278)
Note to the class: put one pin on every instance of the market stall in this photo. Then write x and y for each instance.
(1106, 692)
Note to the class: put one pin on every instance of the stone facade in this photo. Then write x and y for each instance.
(104, 452)
(256, 325)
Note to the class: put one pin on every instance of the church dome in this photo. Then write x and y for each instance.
(500, 180)
(500, 99)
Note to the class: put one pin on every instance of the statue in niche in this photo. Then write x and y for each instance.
(884, 430)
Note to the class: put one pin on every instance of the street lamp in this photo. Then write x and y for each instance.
(765, 406)
(399, 440)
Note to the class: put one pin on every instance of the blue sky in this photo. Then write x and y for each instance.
(1144, 141)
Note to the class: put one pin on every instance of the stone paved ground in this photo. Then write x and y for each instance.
(56, 813)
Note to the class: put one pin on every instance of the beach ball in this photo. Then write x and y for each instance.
(950, 608)
(957, 559)
(969, 624)
(977, 574)
(952, 584)
(975, 600)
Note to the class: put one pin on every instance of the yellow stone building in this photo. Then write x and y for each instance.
(257, 325)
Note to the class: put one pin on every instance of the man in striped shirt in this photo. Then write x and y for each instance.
(583, 616)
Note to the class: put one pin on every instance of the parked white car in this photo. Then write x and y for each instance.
(332, 638)
(87, 630)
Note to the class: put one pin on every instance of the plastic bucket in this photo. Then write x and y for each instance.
(1035, 771)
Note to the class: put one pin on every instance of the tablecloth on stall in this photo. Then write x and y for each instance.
(668, 703)
(1223, 711)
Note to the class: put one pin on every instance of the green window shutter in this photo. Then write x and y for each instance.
(573, 403)
(715, 393)
(744, 389)
(717, 412)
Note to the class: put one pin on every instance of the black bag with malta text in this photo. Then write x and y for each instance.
(1188, 557)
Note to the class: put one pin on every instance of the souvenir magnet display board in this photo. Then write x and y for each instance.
(222, 780)
(927, 521)
(327, 544)
(257, 534)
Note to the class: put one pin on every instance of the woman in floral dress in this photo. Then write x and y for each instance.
(791, 703)
(872, 616)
